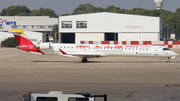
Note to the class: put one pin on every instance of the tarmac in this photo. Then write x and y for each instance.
(121, 78)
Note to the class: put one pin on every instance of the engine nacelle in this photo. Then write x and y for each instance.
(43, 45)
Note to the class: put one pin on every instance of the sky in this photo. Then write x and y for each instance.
(67, 6)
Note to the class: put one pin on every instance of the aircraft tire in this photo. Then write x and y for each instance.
(84, 60)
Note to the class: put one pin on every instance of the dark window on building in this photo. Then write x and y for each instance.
(81, 24)
(47, 99)
(111, 36)
(66, 24)
(68, 37)
(14, 26)
(78, 99)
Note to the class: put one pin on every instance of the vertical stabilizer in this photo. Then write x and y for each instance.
(24, 42)
(21, 38)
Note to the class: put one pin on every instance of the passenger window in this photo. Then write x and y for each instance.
(47, 99)
(139, 48)
(129, 48)
(146, 48)
(64, 47)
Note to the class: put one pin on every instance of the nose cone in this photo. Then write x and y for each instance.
(174, 53)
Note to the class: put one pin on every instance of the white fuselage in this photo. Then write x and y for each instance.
(92, 50)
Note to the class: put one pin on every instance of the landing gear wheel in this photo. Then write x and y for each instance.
(168, 61)
(84, 60)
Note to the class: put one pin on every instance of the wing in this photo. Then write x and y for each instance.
(81, 55)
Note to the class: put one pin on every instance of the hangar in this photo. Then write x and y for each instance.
(105, 26)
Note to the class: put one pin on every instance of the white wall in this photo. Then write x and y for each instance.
(5, 35)
(29, 20)
(39, 37)
(88, 37)
(138, 37)
(112, 22)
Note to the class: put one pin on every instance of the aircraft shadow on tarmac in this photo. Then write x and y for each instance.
(113, 61)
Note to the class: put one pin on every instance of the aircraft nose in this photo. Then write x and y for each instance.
(174, 53)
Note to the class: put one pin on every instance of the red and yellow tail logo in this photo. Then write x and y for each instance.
(24, 42)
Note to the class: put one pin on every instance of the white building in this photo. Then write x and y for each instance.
(31, 24)
(105, 26)
(33, 36)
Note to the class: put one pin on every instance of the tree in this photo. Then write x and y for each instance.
(79, 10)
(43, 12)
(110, 8)
(3, 12)
(15, 10)
(88, 6)
(55, 32)
(9, 42)
(100, 9)
(65, 14)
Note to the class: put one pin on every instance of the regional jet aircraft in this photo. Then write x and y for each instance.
(85, 51)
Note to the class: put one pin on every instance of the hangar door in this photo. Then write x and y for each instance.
(111, 36)
(67, 37)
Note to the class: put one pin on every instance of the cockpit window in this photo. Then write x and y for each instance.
(166, 49)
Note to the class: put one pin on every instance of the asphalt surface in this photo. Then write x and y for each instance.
(121, 78)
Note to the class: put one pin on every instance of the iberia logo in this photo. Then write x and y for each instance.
(2, 21)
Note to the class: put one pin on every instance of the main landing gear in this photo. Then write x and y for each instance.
(84, 60)
(168, 61)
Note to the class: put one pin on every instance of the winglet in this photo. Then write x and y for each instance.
(62, 52)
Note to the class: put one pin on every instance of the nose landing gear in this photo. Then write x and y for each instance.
(84, 60)
(168, 61)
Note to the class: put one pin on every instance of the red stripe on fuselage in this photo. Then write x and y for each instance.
(26, 44)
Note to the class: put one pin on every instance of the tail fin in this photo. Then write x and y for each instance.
(24, 42)
(21, 38)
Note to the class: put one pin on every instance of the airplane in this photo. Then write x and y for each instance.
(85, 51)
